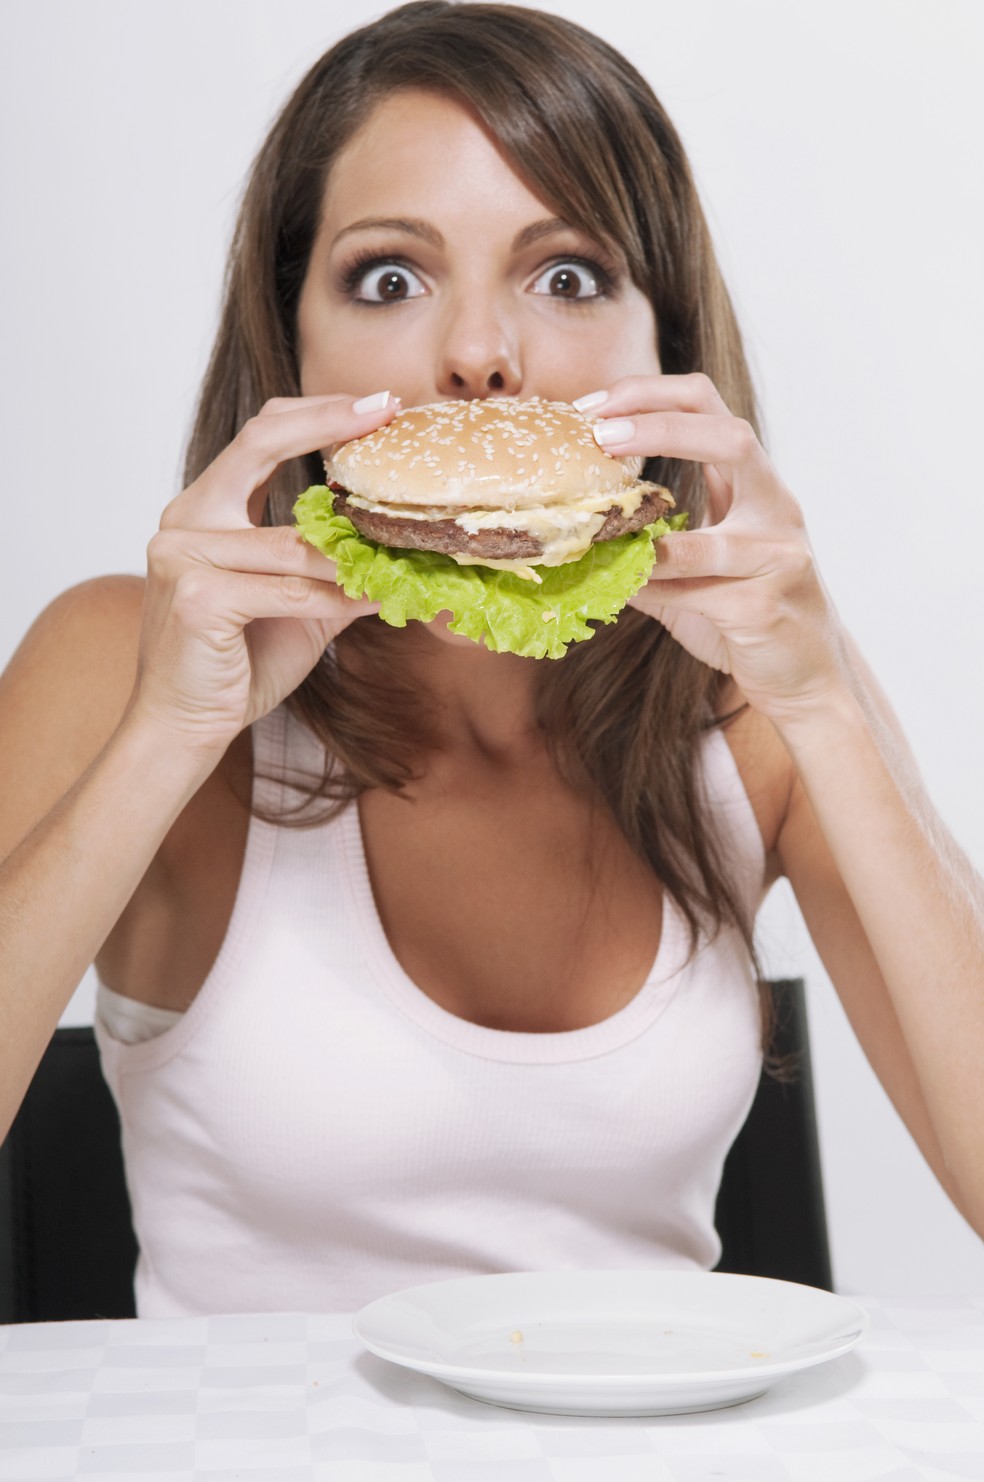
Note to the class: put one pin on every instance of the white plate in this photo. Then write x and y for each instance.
(610, 1342)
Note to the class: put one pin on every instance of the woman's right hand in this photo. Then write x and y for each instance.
(235, 614)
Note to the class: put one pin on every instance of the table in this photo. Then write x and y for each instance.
(280, 1397)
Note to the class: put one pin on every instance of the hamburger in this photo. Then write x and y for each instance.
(506, 484)
(505, 512)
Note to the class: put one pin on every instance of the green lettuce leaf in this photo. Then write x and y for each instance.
(510, 613)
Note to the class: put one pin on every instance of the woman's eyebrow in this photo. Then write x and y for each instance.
(533, 233)
(411, 225)
(414, 227)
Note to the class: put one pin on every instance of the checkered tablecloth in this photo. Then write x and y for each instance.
(281, 1397)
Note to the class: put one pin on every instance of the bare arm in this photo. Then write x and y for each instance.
(91, 798)
(105, 736)
(895, 908)
(897, 913)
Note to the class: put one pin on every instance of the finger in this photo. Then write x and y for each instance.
(720, 494)
(288, 403)
(206, 601)
(691, 393)
(219, 499)
(277, 550)
(698, 437)
(691, 557)
(698, 635)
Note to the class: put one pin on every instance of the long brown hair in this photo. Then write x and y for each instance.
(624, 713)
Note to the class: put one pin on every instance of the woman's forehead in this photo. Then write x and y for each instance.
(418, 152)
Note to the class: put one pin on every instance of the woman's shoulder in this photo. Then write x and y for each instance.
(116, 595)
(63, 694)
(87, 635)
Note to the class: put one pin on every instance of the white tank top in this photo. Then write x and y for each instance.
(315, 1132)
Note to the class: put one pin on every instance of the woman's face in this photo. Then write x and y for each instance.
(436, 273)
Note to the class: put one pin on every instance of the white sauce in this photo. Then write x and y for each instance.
(564, 532)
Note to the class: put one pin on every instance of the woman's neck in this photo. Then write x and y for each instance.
(485, 703)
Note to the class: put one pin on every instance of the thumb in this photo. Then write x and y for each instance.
(694, 632)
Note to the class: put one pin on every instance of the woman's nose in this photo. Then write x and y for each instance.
(479, 353)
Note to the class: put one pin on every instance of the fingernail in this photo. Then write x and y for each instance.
(375, 403)
(591, 402)
(618, 430)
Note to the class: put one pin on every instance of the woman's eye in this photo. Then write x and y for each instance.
(571, 280)
(386, 283)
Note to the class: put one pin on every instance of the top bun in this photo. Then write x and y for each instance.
(502, 453)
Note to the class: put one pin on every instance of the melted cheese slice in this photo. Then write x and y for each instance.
(563, 532)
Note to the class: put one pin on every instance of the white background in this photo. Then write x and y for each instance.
(838, 149)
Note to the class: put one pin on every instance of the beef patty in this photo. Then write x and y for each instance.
(497, 544)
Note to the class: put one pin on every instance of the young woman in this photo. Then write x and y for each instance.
(418, 959)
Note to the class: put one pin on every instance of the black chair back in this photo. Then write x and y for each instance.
(770, 1213)
(67, 1248)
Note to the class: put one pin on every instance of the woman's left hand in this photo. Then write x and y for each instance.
(742, 593)
(857, 836)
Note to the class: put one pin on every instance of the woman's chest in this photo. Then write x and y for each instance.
(512, 901)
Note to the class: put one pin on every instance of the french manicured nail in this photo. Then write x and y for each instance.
(375, 403)
(591, 402)
(618, 430)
